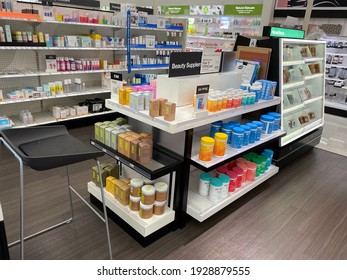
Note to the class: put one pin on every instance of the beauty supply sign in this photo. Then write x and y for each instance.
(185, 64)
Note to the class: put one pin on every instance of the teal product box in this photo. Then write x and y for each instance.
(86, 41)
(8, 33)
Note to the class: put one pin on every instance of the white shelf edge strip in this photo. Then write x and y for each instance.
(292, 85)
(144, 226)
(195, 198)
(314, 76)
(308, 101)
(232, 152)
(296, 62)
(332, 104)
(96, 91)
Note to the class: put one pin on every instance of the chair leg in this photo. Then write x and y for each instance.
(104, 209)
(70, 194)
(21, 238)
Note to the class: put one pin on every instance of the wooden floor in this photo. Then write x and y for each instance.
(301, 213)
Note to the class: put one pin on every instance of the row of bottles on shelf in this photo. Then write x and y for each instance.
(230, 177)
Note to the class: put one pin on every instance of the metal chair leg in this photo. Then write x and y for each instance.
(104, 208)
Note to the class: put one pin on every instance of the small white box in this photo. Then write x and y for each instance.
(150, 41)
(72, 41)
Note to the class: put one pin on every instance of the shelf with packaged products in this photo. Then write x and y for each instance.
(184, 115)
(83, 24)
(201, 208)
(163, 161)
(143, 226)
(20, 74)
(43, 118)
(230, 152)
(14, 48)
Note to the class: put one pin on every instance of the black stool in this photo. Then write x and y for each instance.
(43, 148)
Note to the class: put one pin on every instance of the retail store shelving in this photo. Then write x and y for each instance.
(201, 208)
(336, 75)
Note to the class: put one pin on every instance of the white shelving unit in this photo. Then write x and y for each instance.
(184, 115)
(143, 226)
(302, 100)
(201, 208)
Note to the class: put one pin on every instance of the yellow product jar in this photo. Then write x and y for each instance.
(122, 96)
(206, 148)
(220, 144)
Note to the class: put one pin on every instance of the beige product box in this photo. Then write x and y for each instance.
(121, 138)
(126, 180)
(181, 90)
(148, 141)
(110, 186)
(102, 132)
(113, 170)
(107, 135)
(117, 182)
(96, 178)
(114, 138)
(149, 41)
(127, 142)
(154, 106)
(97, 130)
(134, 146)
(170, 111)
(162, 102)
(124, 193)
(144, 153)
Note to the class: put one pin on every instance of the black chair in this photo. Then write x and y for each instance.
(47, 147)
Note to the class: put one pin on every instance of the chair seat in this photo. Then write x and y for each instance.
(43, 148)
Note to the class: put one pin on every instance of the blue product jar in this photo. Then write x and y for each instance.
(232, 123)
(259, 130)
(247, 130)
(226, 128)
(277, 122)
(254, 129)
(268, 159)
(270, 152)
(215, 127)
(268, 123)
(237, 134)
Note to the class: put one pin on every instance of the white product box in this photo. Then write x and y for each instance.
(72, 41)
(56, 111)
(150, 41)
(181, 90)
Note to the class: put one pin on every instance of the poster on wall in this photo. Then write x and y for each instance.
(297, 8)
(316, 3)
(209, 10)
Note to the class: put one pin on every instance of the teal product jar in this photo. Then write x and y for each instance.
(237, 134)
(277, 122)
(252, 135)
(225, 188)
(247, 130)
(271, 152)
(215, 127)
(268, 123)
(226, 128)
(259, 130)
(214, 193)
(268, 159)
(204, 183)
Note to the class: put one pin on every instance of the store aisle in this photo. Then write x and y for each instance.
(334, 137)
(301, 213)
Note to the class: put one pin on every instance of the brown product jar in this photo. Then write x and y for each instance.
(135, 187)
(159, 207)
(134, 203)
(148, 194)
(146, 211)
(161, 191)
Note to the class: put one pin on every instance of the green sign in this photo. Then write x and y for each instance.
(287, 33)
(174, 10)
(243, 10)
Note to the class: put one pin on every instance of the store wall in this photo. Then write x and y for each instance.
(180, 2)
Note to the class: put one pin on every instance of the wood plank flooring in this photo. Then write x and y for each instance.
(301, 213)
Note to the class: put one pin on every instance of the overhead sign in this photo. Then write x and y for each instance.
(209, 10)
(184, 64)
(243, 10)
(174, 10)
(84, 3)
(280, 32)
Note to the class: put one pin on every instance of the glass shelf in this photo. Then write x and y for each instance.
(163, 161)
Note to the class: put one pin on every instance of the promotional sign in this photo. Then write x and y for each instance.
(184, 64)
(116, 84)
(316, 4)
(210, 10)
(174, 10)
(280, 32)
(210, 62)
(243, 10)
(200, 105)
(115, 7)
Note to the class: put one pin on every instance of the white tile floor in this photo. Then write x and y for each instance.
(334, 137)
